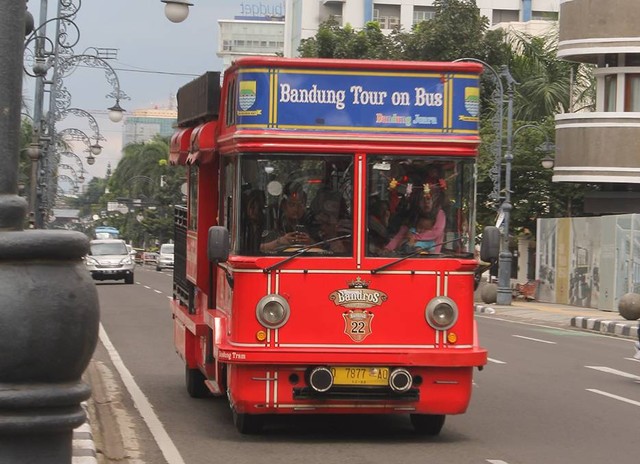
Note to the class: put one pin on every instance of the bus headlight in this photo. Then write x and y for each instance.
(273, 311)
(441, 313)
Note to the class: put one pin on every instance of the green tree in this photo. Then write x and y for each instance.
(546, 84)
(457, 30)
(144, 182)
(332, 41)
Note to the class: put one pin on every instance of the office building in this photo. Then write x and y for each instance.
(601, 147)
(144, 124)
(304, 16)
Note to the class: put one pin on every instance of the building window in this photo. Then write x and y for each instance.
(632, 93)
(610, 92)
(632, 59)
(387, 16)
(544, 15)
(505, 16)
(423, 13)
(611, 60)
(331, 11)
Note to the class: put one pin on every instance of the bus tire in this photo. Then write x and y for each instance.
(427, 424)
(194, 380)
(247, 424)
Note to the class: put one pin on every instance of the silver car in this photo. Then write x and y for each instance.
(165, 257)
(109, 259)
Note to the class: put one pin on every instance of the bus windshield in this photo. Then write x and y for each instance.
(289, 202)
(418, 204)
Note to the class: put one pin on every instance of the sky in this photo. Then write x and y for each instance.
(154, 58)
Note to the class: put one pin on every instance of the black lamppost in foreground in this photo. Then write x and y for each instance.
(48, 303)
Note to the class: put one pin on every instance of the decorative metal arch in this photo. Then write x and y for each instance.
(69, 64)
(93, 124)
(71, 133)
(67, 178)
(72, 171)
(44, 48)
(71, 154)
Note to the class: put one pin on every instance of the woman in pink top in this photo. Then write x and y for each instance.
(434, 234)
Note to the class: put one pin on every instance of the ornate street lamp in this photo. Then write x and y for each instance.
(504, 295)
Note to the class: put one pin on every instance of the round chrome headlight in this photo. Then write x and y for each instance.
(273, 311)
(441, 313)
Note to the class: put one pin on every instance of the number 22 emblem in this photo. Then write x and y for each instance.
(357, 324)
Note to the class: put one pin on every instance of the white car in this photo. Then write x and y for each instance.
(165, 257)
(109, 259)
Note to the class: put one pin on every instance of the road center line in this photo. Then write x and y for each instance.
(496, 461)
(609, 370)
(535, 339)
(496, 361)
(157, 291)
(162, 438)
(615, 397)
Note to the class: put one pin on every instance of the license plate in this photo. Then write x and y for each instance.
(360, 375)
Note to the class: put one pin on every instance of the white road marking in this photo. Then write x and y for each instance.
(608, 370)
(615, 397)
(157, 291)
(162, 438)
(496, 461)
(633, 359)
(147, 287)
(535, 339)
(496, 361)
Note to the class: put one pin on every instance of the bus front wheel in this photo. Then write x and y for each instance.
(247, 424)
(427, 424)
(194, 380)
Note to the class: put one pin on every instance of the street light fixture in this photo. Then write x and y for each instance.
(96, 149)
(548, 162)
(116, 112)
(91, 160)
(176, 11)
(504, 295)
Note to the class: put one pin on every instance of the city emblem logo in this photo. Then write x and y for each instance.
(247, 95)
(358, 298)
(472, 100)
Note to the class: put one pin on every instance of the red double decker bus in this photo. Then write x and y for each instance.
(324, 262)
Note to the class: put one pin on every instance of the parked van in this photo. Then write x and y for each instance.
(165, 257)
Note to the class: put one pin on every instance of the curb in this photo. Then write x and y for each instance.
(623, 329)
(479, 308)
(84, 448)
(628, 329)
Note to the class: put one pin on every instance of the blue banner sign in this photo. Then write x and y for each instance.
(358, 101)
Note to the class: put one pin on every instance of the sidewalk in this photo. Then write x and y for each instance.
(588, 319)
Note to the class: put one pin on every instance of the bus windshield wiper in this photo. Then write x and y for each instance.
(424, 251)
(304, 250)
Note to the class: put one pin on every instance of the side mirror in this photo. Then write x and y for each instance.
(490, 245)
(218, 244)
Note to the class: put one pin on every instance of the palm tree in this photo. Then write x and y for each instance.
(547, 85)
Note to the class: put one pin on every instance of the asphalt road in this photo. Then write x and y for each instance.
(548, 395)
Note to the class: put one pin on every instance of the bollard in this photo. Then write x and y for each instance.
(49, 312)
(629, 306)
